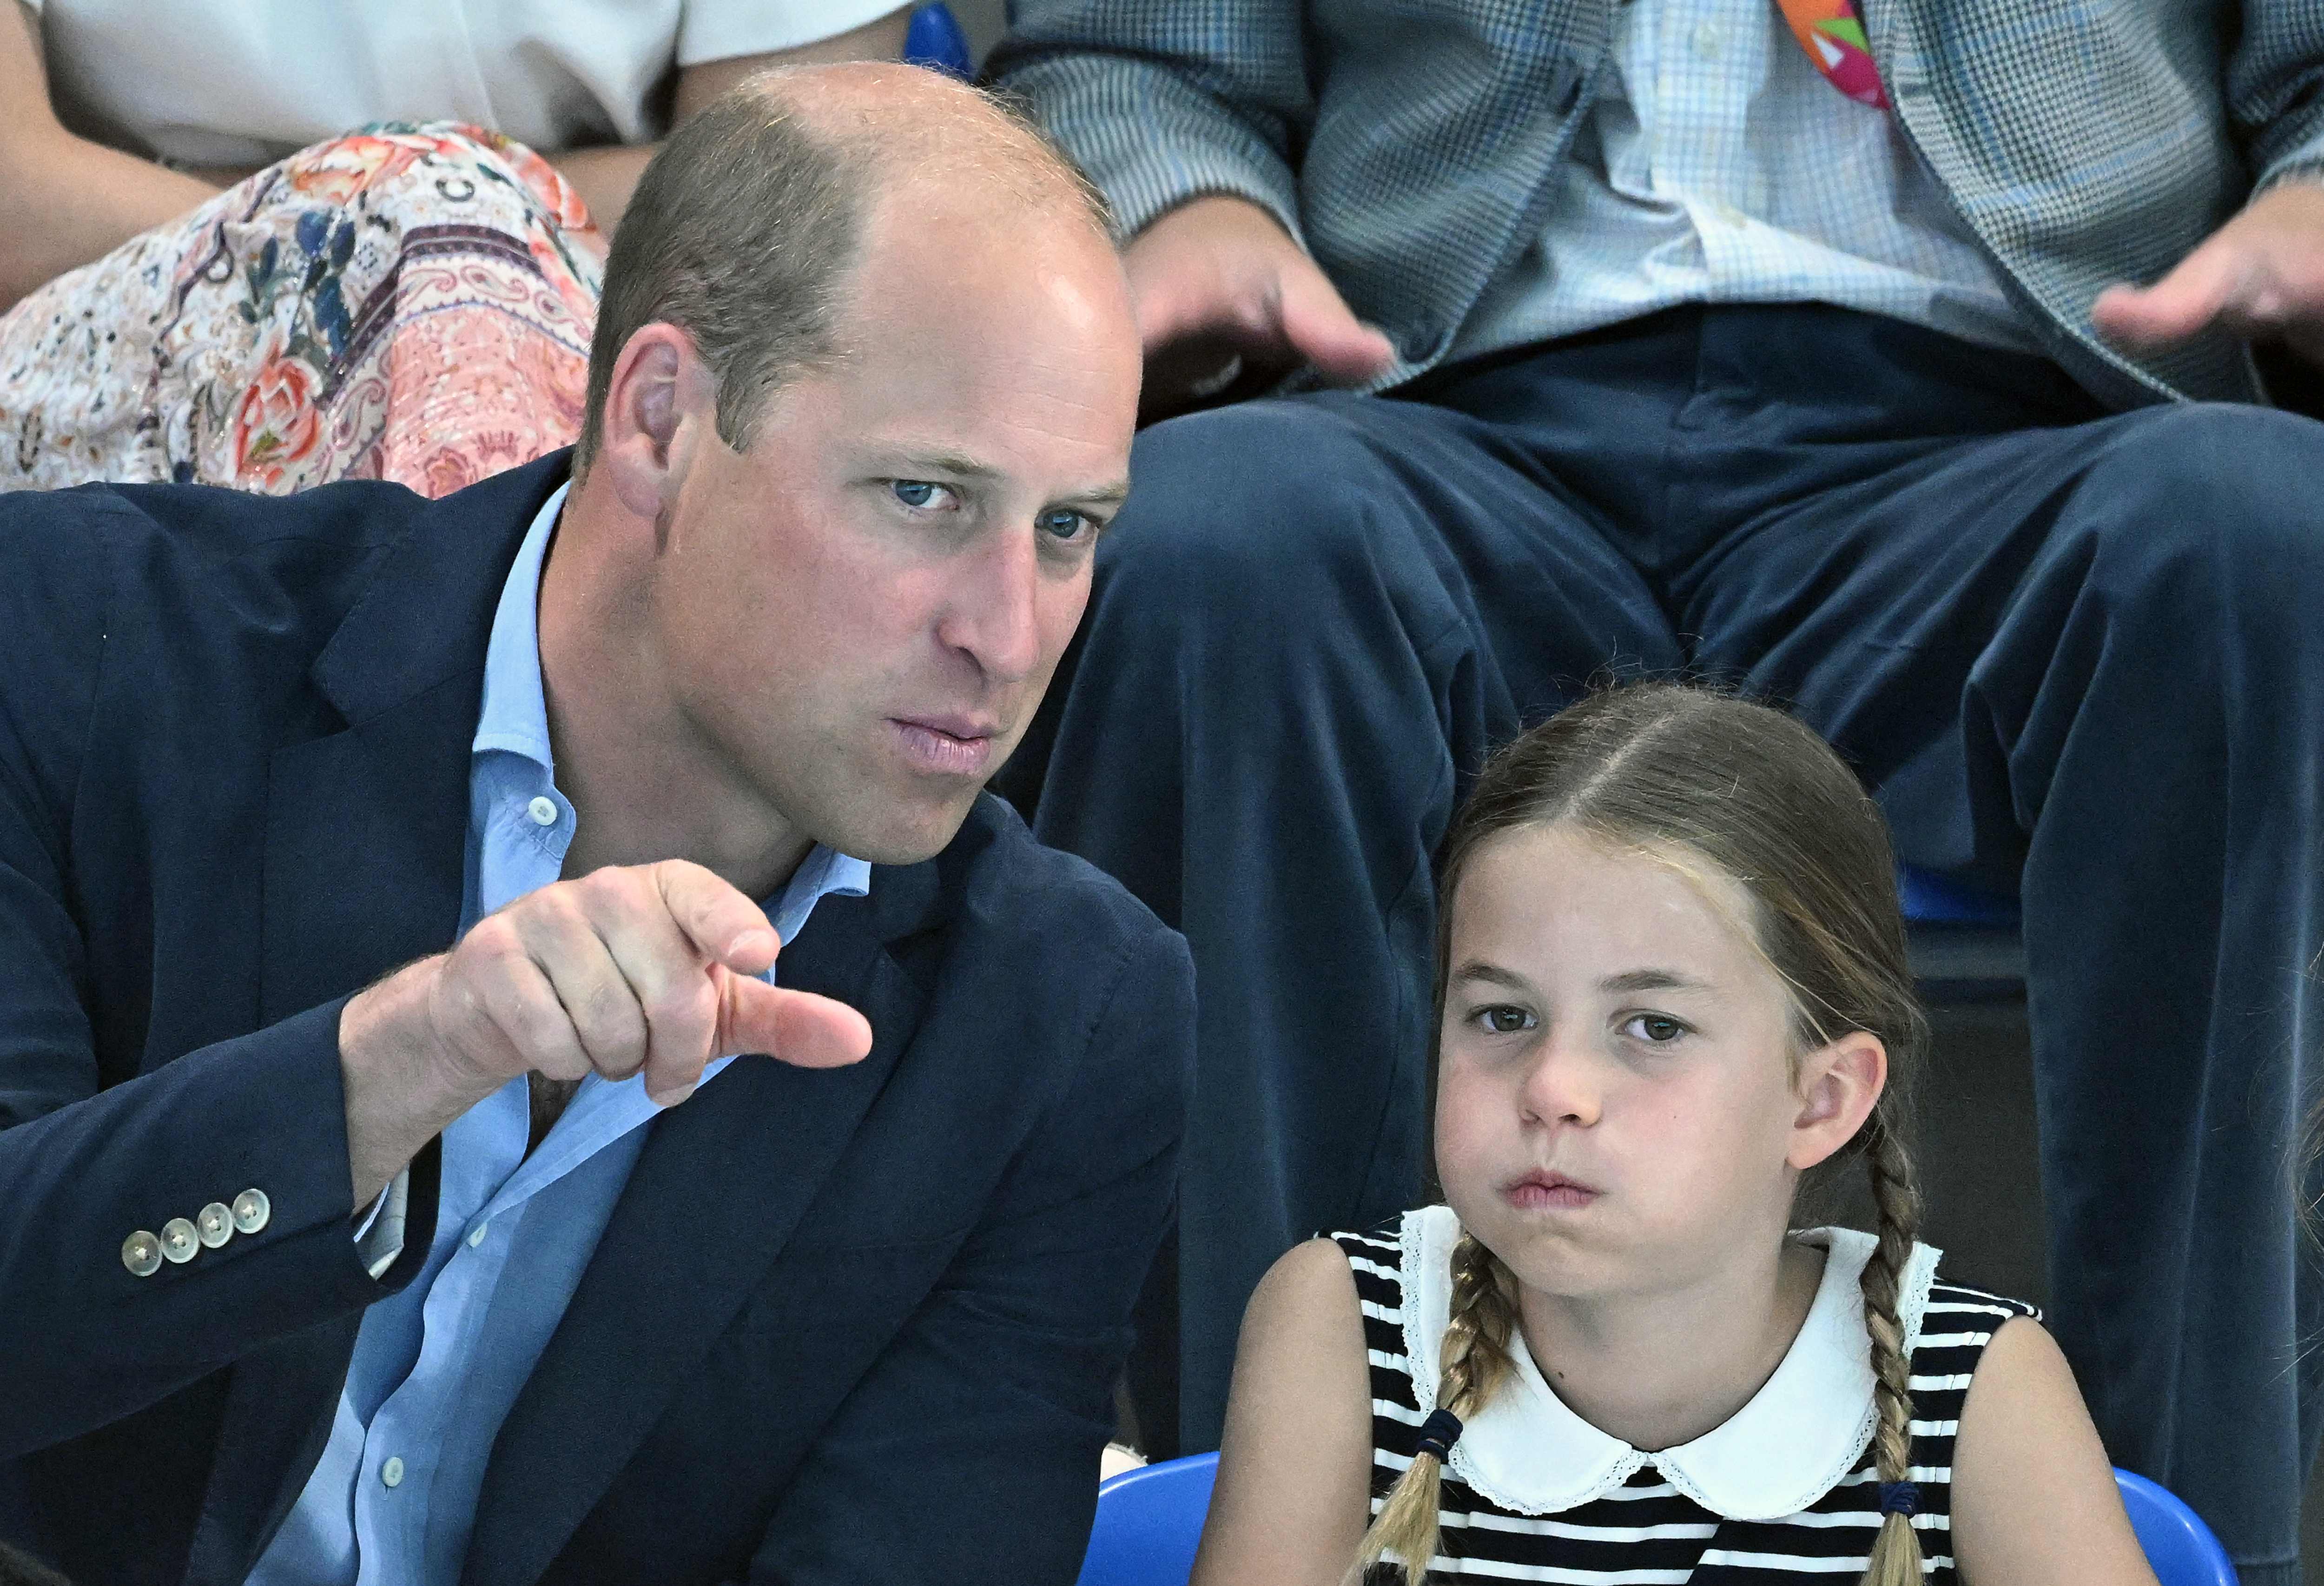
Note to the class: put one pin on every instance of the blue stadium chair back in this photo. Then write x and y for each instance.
(2180, 1548)
(1149, 1521)
(934, 38)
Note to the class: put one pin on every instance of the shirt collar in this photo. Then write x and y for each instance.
(1804, 1430)
(514, 719)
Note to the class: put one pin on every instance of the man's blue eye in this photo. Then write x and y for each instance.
(913, 493)
(1063, 524)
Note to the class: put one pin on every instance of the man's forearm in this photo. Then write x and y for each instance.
(398, 1095)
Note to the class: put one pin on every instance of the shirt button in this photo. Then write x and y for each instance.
(141, 1252)
(477, 1234)
(1708, 40)
(251, 1210)
(214, 1224)
(542, 809)
(179, 1240)
(391, 1474)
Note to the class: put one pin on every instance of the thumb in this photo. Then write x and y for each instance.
(2183, 302)
(796, 1028)
(1316, 322)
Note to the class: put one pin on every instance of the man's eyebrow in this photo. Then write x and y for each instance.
(957, 463)
(1103, 496)
(1649, 980)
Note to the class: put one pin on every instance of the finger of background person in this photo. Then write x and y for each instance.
(581, 970)
(2178, 305)
(723, 926)
(795, 1026)
(1317, 322)
(672, 985)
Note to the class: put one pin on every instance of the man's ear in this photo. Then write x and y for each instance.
(659, 404)
(1839, 1085)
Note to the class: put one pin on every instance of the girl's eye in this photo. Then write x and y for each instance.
(1656, 1028)
(917, 494)
(1063, 524)
(1501, 1020)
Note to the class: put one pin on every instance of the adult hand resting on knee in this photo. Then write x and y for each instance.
(2261, 276)
(1223, 293)
(649, 968)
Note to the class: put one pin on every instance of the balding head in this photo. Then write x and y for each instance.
(747, 228)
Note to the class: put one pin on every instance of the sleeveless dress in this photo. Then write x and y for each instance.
(1783, 1489)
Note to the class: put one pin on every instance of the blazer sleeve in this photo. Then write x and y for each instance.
(1163, 101)
(2275, 89)
(84, 1166)
(970, 1449)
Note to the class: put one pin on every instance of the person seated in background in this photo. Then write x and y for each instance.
(412, 302)
(1671, 1001)
(1811, 368)
(322, 1269)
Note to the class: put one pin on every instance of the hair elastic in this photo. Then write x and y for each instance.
(1900, 1498)
(1438, 1433)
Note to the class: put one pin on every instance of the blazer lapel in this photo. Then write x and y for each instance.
(366, 827)
(718, 1192)
(367, 838)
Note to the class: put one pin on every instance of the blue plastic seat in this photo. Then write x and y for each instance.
(1149, 1521)
(934, 38)
(2178, 1547)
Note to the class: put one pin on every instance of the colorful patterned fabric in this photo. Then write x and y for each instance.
(409, 303)
(1832, 34)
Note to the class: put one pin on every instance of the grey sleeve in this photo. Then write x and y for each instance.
(1162, 101)
(2275, 90)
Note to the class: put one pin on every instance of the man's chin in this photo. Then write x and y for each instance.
(902, 831)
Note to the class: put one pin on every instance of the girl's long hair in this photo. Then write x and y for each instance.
(1700, 779)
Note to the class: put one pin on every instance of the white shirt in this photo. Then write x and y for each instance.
(245, 82)
(1526, 1452)
(1718, 166)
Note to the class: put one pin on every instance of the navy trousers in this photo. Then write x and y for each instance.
(2079, 655)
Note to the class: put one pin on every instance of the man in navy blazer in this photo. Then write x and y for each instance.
(271, 1305)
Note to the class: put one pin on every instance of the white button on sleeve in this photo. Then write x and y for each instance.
(542, 809)
(141, 1252)
(214, 1224)
(251, 1210)
(179, 1240)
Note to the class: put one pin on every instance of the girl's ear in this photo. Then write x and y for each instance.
(1839, 1085)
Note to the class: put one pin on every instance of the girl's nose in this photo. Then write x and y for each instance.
(1564, 1085)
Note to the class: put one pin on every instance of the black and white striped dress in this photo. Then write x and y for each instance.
(1703, 1513)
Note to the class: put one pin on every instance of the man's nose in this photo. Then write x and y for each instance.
(995, 610)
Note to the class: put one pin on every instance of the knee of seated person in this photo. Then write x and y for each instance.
(2220, 493)
(1263, 504)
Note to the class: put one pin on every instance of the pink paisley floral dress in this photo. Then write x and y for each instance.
(408, 302)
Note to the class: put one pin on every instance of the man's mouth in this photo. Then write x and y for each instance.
(948, 745)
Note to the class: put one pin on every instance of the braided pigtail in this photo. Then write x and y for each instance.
(1897, 1552)
(1474, 1363)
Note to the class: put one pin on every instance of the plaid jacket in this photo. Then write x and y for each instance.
(1407, 142)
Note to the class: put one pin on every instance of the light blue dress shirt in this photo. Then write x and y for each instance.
(438, 1366)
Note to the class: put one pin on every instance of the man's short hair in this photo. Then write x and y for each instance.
(744, 232)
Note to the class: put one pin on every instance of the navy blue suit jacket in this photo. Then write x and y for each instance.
(846, 1326)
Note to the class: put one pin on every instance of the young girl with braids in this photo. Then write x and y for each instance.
(1672, 990)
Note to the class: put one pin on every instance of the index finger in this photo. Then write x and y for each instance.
(724, 926)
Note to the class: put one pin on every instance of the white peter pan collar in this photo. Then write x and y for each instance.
(1803, 1431)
